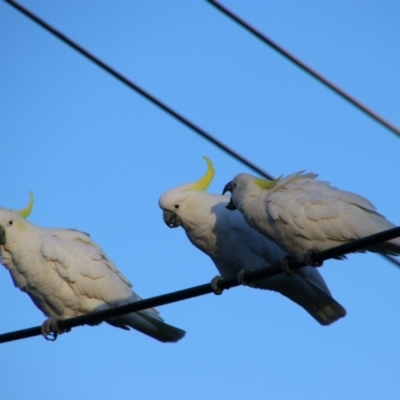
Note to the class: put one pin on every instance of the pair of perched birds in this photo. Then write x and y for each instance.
(66, 274)
(294, 215)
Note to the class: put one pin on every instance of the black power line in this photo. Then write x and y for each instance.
(305, 67)
(139, 90)
(249, 276)
(355, 245)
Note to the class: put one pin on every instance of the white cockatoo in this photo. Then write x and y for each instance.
(305, 215)
(233, 246)
(66, 274)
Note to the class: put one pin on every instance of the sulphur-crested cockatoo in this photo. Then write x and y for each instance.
(233, 246)
(302, 214)
(66, 274)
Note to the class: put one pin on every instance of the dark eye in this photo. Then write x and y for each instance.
(10, 222)
(234, 185)
(176, 206)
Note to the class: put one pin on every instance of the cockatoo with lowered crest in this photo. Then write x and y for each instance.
(66, 274)
(233, 246)
(302, 214)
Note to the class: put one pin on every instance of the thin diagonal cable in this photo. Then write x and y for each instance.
(393, 260)
(305, 67)
(185, 294)
(139, 90)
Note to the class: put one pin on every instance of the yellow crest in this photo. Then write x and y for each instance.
(266, 184)
(204, 182)
(28, 209)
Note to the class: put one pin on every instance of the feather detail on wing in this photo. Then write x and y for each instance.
(316, 211)
(86, 268)
(91, 274)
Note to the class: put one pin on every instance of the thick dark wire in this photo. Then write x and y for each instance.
(249, 276)
(305, 67)
(139, 90)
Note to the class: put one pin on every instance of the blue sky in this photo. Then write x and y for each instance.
(98, 156)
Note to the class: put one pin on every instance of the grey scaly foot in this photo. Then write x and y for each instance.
(242, 280)
(50, 328)
(308, 259)
(214, 284)
(285, 265)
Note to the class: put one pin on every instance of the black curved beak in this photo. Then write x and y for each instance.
(171, 219)
(2, 235)
(228, 187)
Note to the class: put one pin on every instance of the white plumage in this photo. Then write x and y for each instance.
(66, 274)
(233, 245)
(303, 214)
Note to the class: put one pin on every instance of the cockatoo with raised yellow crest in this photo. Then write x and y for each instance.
(66, 274)
(302, 214)
(233, 246)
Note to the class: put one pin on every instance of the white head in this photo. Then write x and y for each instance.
(12, 223)
(177, 201)
(244, 186)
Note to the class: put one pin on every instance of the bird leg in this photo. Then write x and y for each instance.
(242, 280)
(285, 265)
(214, 284)
(308, 259)
(50, 328)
